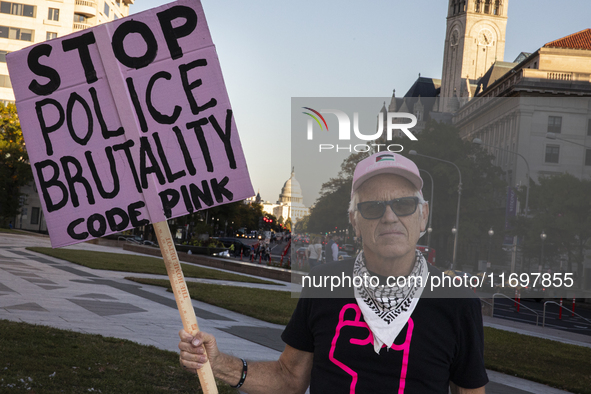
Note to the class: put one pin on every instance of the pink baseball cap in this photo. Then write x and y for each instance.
(386, 163)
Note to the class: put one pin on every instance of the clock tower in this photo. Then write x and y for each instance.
(474, 40)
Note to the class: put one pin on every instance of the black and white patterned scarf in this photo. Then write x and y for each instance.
(386, 309)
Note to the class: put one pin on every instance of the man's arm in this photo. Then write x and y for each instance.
(289, 374)
(459, 390)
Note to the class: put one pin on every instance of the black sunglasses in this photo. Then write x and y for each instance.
(375, 209)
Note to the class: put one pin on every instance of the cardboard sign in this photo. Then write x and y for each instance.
(128, 123)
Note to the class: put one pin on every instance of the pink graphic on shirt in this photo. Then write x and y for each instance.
(405, 347)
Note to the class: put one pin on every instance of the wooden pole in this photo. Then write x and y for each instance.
(182, 297)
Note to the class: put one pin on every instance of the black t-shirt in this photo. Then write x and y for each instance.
(442, 342)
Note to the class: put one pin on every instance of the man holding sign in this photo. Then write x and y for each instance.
(394, 336)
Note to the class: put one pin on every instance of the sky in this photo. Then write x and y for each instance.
(271, 51)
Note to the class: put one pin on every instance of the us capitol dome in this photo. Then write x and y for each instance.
(290, 203)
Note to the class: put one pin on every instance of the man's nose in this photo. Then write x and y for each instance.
(389, 215)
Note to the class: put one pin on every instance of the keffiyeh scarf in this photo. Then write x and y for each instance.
(386, 309)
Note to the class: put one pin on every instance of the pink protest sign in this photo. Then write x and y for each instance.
(128, 123)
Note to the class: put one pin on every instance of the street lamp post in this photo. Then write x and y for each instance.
(478, 141)
(429, 229)
(490, 235)
(543, 238)
(553, 136)
(414, 153)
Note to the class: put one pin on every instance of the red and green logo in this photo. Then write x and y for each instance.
(315, 118)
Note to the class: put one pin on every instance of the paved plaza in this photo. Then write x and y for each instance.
(38, 289)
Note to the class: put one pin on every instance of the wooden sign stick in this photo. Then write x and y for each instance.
(182, 297)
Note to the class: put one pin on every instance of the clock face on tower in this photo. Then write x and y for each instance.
(485, 37)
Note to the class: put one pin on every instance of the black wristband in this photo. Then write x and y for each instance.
(243, 376)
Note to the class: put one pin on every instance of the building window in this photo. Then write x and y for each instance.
(78, 18)
(5, 81)
(552, 153)
(588, 157)
(115, 17)
(4, 53)
(497, 9)
(16, 34)
(107, 9)
(554, 124)
(53, 14)
(34, 215)
(17, 9)
(50, 36)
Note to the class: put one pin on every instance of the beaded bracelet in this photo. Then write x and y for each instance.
(243, 377)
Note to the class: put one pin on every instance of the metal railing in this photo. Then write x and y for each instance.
(488, 303)
(81, 26)
(561, 306)
(86, 3)
(517, 302)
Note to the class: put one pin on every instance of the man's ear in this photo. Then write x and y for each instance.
(354, 224)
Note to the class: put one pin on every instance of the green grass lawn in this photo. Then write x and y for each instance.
(268, 305)
(8, 231)
(20, 232)
(39, 359)
(138, 264)
(559, 365)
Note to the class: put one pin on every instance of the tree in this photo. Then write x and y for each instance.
(15, 171)
(225, 217)
(301, 225)
(560, 206)
(331, 208)
(483, 192)
(270, 222)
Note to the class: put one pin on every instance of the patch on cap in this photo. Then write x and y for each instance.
(384, 157)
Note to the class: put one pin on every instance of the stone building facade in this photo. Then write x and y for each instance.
(34, 21)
